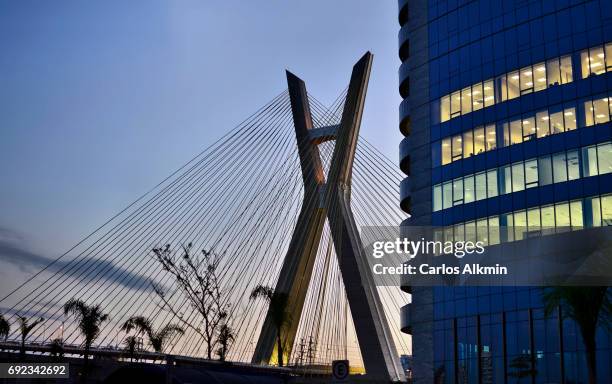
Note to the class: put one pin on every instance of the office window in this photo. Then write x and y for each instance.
(505, 180)
(589, 161)
(470, 193)
(608, 53)
(477, 97)
(494, 237)
(573, 165)
(457, 153)
(552, 72)
(566, 69)
(513, 85)
(447, 195)
(539, 77)
(529, 128)
(492, 183)
(479, 140)
(446, 151)
(562, 215)
(490, 137)
(520, 225)
(468, 144)
(576, 215)
(559, 167)
(542, 122)
(445, 109)
(547, 214)
(569, 116)
(604, 158)
(601, 111)
(455, 104)
(516, 132)
(533, 219)
(502, 89)
(506, 133)
(457, 191)
(588, 113)
(526, 80)
(606, 210)
(556, 122)
(531, 173)
(481, 186)
(545, 173)
(518, 177)
(592, 61)
(489, 94)
(466, 100)
(593, 207)
(437, 197)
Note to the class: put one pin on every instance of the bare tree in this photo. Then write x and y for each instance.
(26, 327)
(196, 277)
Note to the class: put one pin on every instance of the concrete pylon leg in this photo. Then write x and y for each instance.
(332, 202)
(298, 264)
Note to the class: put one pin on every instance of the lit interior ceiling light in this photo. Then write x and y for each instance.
(488, 98)
(525, 122)
(545, 118)
(540, 69)
(476, 92)
(568, 113)
(528, 73)
(600, 116)
(542, 79)
(529, 84)
(491, 133)
(515, 77)
(445, 144)
(487, 88)
(480, 136)
(601, 55)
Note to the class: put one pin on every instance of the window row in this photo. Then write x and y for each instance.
(513, 226)
(508, 86)
(520, 129)
(556, 168)
(596, 60)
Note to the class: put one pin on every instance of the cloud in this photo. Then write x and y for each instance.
(88, 270)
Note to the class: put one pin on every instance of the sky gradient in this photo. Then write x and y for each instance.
(99, 101)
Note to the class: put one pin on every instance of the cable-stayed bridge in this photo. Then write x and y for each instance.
(277, 202)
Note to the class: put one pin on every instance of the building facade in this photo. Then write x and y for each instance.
(506, 118)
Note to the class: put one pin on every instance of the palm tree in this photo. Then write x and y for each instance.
(5, 328)
(130, 346)
(25, 327)
(590, 308)
(277, 307)
(89, 317)
(226, 336)
(157, 339)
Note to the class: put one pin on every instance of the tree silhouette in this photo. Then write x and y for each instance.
(89, 318)
(226, 336)
(277, 304)
(157, 339)
(590, 308)
(5, 328)
(26, 327)
(130, 343)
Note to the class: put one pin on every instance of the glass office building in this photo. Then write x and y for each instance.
(506, 116)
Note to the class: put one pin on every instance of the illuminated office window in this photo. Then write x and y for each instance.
(490, 137)
(606, 210)
(593, 205)
(437, 197)
(526, 80)
(553, 72)
(457, 153)
(479, 140)
(542, 123)
(518, 177)
(533, 219)
(489, 93)
(562, 215)
(447, 195)
(559, 167)
(592, 61)
(576, 214)
(529, 128)
(516, 132)
(569, 116)
(446, 151)
(455, 104)
(481, 186)
(505, 180)
(608, 53)
(566, 69)
(494, 237)
(477, 97)
(445, 108)
(601, 110)
(466, 100)
(573, 165)
(589, 161)
(531, 173)
(539, 77)
(604, 158)
(547, 214)
(492, 183)
(514, 88)
(520, 225)
(556, 122)
(470, 193)
(458, 192)
(468, 144)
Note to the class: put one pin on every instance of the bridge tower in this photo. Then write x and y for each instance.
(331, 199)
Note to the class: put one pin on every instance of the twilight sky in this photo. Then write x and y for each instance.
(101, 100)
